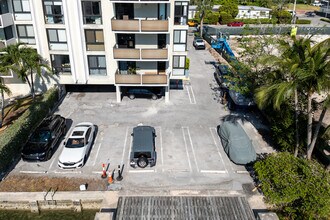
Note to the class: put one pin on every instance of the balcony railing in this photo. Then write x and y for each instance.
(141, 79)
(6, 20)
(140, 25)
(140, 54)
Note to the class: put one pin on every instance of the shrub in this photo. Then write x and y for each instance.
(187, 64)
(224, 18)
(282, 16)
(15, 136)
(256, 21)
(298, 188)
(212, 18)
(325, 19)
(303, 21)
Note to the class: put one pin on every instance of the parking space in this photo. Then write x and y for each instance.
(188, 147)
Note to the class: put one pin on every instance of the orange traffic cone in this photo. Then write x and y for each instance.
(104, 172)
(110, 179)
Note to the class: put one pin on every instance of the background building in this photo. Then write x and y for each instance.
(109, 42)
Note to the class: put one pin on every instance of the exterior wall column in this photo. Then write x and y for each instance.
(118, 94)
(167, 94)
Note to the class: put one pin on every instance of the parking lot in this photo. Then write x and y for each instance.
(189, 151)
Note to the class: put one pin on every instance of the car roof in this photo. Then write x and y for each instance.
(234, 130)
(48, 122)
(143, 138)
(79, 131)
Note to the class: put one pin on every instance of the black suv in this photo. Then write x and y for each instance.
(143, 147)
(154, 93)
(42, 142)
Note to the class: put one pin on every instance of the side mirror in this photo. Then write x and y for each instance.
(64, 143)
(53, 136)
(132, 134)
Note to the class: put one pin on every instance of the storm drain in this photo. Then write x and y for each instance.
(183, 207)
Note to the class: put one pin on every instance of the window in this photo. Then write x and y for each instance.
(57, 39)
(61, 64)
(21, 6)
(3, 7)
(179, 62)
(181, 13)
(26, 34)
(53, 11)
(97, 65)
(94, 40)
(92, 12)
(180, 37)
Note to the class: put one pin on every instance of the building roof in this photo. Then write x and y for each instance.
(183, 207)
(240, 7)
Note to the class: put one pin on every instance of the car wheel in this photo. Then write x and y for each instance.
(49, 154)
(231, 105)
(131, 96)
(142, 162)
(154, 97)
(64, 130)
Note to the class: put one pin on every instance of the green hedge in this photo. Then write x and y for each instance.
(15, 136)
(303, 21)
(257, 21)
(325, 19)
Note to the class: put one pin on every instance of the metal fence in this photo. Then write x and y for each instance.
(267, 30)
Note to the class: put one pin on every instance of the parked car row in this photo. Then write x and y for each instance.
(44, 140)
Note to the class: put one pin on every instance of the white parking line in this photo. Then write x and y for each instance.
(97, 153)
(50, 166)
(130, 147)
(212, 130)
(142, 171)
(125, 142)
(214, 171)
(67, 172)
(97, 172)
(185, 144)
(241, 171)
(30, 172)
(191, 96)
(192, 147)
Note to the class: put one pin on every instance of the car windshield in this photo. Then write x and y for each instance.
(40, 136)
(199, 41)
(75, 143)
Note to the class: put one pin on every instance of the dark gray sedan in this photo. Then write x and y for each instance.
(236, 143)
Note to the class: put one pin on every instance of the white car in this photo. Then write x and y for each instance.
(77, 146)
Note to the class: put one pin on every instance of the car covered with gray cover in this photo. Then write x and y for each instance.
(236, 143)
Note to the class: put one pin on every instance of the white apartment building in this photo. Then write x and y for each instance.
(101, 42)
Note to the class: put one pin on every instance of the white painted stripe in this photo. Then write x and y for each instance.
(187, 88)
(125, 142)
(97, 152)
(67, 172)
(241, 171)
(185, 144)
(193, 95)
(142, 171)
(31, 172)
(50, 166)
(212, 130)
(130, 147)
(192, 147)
(214, 171)
(97, 172)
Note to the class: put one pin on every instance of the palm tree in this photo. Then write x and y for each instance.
(203, 6)
(315, 79)
(3, 89)
(284, 84)
(308, 72)
(23, 61)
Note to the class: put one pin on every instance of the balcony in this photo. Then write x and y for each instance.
(139, 25)
(141, 79)
(140, 54)
(6, 20)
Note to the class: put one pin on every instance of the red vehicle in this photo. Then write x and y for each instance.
(235, 24)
